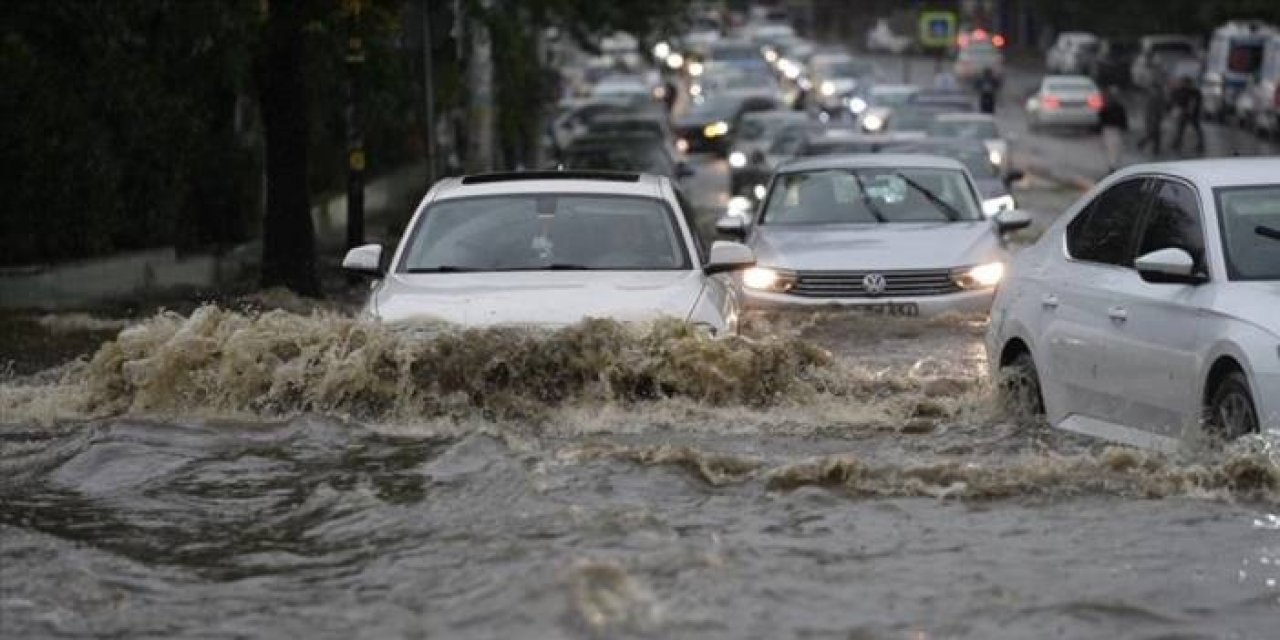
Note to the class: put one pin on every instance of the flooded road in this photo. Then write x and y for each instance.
(241, 475)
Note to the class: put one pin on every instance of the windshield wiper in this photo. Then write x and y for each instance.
(555, 266)
(951, 212)
(1267, 232)
(448, 268)
(866, 199)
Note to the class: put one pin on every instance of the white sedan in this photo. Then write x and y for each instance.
(1064, 101)
(553, 248)
(1152, 306)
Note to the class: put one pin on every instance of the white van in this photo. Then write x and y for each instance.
(1234, 59)
(1259, 106)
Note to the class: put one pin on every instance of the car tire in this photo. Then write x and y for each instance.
(1018, 389)
(1231, 412)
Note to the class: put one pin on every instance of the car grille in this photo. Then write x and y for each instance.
(849, 284)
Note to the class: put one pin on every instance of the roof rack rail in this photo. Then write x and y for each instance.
(570, 174)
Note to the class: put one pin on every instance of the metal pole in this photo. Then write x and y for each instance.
(355, 133)
(430, 87)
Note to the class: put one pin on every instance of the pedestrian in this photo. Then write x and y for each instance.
(1115, 122)
(670, 92)
(987, 86)
(1188, 100)
(1153, 115)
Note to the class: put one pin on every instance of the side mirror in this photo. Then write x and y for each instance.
(732, 227)
(1014, 175)
(365, 260)
(1168, 266)
(683, 170)
(1011, 220)
(728, 256)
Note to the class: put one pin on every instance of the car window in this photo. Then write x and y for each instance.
(540, 231)
(1104, 231)
(1250, 223)
(1174, 222)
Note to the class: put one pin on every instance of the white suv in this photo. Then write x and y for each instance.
(1151, 305)
(552, 248)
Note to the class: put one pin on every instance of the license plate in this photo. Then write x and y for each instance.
(904, 309)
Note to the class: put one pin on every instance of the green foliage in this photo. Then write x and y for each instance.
(1139, 17)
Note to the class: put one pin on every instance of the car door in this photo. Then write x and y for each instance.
(1153, 328)
(1079, 302)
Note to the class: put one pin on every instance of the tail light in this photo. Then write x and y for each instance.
(1050, 101)
(962, 40)
(979, 34)
(1094, 101)
(997, 40)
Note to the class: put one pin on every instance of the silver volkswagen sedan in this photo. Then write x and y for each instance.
(553, 248)
(893, 234)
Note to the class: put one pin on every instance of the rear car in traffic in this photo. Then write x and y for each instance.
(1064, 101)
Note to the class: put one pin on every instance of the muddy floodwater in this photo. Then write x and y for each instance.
(242, 475)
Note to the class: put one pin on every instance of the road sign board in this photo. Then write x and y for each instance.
(937, 28)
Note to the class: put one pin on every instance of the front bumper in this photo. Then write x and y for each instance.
(961, 302)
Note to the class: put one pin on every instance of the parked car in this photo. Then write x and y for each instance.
(891, 234)
(553, 248)
(1177, 56)
(1232, 64)
(1150, 307)
(1112, 65)
(1064, 101)
(1072, 53)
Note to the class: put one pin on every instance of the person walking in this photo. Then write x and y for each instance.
(1188, 100)
(1115, 122)
(987, 86)
(1153, 114)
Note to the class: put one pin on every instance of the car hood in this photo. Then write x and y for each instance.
(1251, 302)
(925, 245)
(538, 297)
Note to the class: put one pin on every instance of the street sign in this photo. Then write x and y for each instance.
(937, 28)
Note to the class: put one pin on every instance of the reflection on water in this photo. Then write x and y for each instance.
(848, 480)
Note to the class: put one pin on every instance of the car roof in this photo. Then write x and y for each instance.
(584, 182)
(872, 161)
(1216, 172)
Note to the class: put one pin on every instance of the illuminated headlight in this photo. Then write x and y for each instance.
(792, 72)
(996, 205)
(770, 55)
(738, 206)
(737, 159)
(675, 61)
(872, 122)
(767, 279)
(695, 68)
(995, 157)
(759, 191)
(695, 89)
(716, 129)
(983, 276)
(661, 50)
(827, 88)
(857, 105)
(682, 145)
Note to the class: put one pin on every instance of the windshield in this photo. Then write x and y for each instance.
(974, 157)
(968, 129)
(623, 154)
(915, 119)
(891, 97)
(870, 196)
(735, 52)
(715, 108)
(847, 69)
(1250, 219)
(757, 128)
(545, 231)
(1244, 58)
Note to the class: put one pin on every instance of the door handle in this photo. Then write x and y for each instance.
(1049, 301)
(1119, 314)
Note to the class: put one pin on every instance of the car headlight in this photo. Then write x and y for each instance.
(827, 88)
(759, 191)
(716, 129)
(661, 50)
(857, 105)
(675, 61)
(695, 68)
(995, 157)
(738, 206)
(768, 279)
(682, 145)
(737, 159)
(983, 276)
(996, 205)
(873, 122)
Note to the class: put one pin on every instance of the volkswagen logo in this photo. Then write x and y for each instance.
(873, 284)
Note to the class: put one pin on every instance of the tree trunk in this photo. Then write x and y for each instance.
(288, 236)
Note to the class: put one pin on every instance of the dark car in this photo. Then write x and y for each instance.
(1112, 64)
(706, 127)
(640, 153)
(956, 101)
(993, 183)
